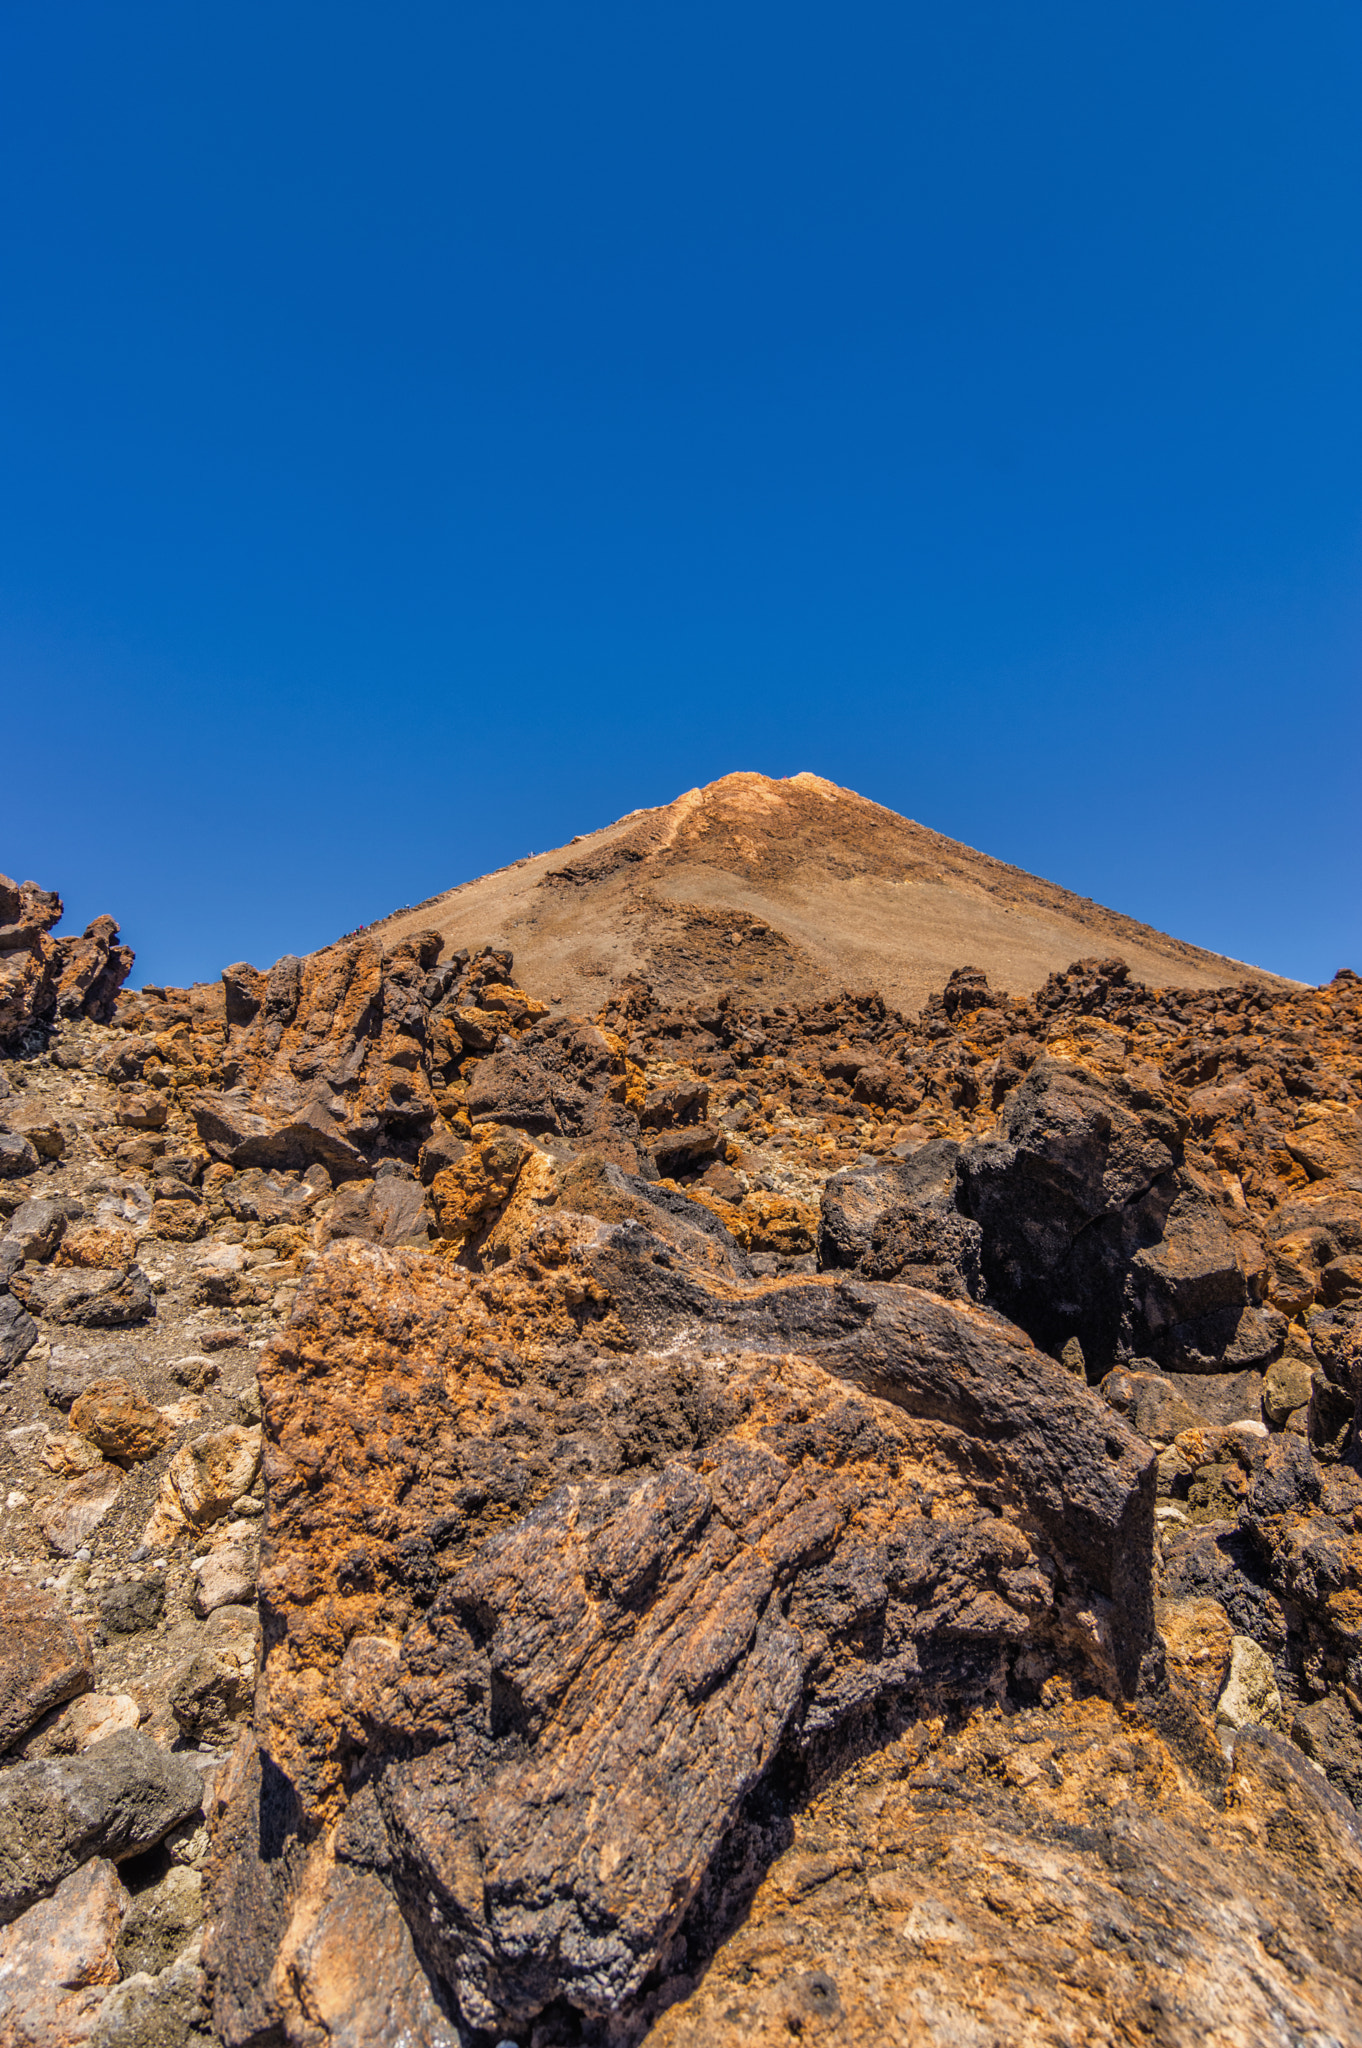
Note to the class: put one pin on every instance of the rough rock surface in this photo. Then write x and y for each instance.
(43, 978)
(45, 1658)
(768, 1519)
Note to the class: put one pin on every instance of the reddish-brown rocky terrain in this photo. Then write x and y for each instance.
(722, 1519)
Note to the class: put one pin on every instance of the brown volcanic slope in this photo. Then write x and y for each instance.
(784, 890)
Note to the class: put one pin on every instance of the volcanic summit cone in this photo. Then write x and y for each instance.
(785, 890)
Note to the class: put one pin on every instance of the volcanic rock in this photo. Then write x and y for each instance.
(119, 1797)
(58, 1962)
(44, 1659)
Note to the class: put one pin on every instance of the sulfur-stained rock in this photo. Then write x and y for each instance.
(1199, 1640)
(180, 1222)
(962, 1887)
(105, 1247)
(67, 1453)
(58, 1961)
(119, 1422)
(45, 1659)
(778, 1223)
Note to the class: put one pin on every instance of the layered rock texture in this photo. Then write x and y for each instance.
(713, 1520)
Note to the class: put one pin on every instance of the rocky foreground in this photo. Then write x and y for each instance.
(706, 1523)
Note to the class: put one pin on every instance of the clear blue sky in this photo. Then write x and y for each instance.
(431, 430)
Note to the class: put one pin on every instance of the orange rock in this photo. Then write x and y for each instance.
(119, 1422)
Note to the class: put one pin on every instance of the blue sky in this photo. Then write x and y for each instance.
(430, 431)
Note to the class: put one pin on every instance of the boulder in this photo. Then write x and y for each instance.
(1250, 1698)
(118, 1798)
(134, 1605)
(202, 1480)
(901, 1219)
(350, 1970)
(168, 2010)
(248, 1130)
(161, 1922)
(70, 1372)
(59, 1960)
(104, 1246)
(695, 1596)
(91, 1718)
(17, 1155)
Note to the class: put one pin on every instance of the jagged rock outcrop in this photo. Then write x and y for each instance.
(42, 978)
(602, 1520)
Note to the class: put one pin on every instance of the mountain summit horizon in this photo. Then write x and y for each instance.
(786, 889)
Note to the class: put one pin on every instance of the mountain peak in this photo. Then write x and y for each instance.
(786, 888)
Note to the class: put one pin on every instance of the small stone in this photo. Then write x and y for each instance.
(1250, 1697)
(211, 1694)
(18, 1333)
(1286, 1388)
(130, 1609)
(225, 1338)
(195, 1371)
(1072, 1359)
(227, 1578)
